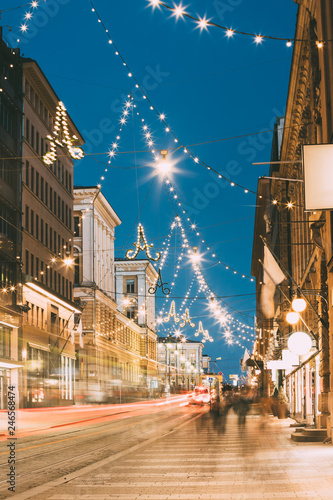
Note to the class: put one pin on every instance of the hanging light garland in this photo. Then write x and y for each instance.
(171, 191)
(186, 319)
(61, 125)
(27, 18)
(162, 116)
(142, 245)
(179, 12)
(115, 144)
(172, 314)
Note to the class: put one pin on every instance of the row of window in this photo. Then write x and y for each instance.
(43, 273)
(36, 316)
(5, 337)
(7, 223)
(40, 145)
(8, 117)
(9, 172)
(48, 195)
(36, 226)
(37, 103)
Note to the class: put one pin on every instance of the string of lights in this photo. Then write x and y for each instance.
(202, 23)
(162, 116)
(163, 168)
(27, 18)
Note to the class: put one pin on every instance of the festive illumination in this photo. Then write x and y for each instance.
(27, 16)
(200, 330)
(60, 124)
(292, 318)
(142, 245)
(163, 166)
(186, 319)
(205, 23)
(298, 305)
(299, 343)
(159, 284)
(172, 314)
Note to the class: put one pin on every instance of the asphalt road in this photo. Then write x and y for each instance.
(53, 443)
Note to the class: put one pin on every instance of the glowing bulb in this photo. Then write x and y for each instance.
(289, 44)
(258, 39)
(68, 261)
(229, 33)
(34, 4)
(154, 3)
(290, 205)
(28, 15)
(292, 318)
(179, 11)
(299, 343)
(23, 28)
(274, 202)
(202, 24)
(320, 45)
(298, 305)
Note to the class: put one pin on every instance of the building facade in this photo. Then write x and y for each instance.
(116, 357)
(11, 111)
(301, 241)
(180, 364)
(50, 317)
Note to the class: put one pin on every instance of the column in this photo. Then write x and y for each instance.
(87, 246)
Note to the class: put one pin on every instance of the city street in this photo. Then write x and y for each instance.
(175, 453)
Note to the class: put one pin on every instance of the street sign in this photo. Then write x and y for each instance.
(210, 379)
(220, 373)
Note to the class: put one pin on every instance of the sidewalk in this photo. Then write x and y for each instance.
(200, 462)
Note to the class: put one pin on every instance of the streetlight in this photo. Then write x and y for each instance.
(298, 304)
(163, 166)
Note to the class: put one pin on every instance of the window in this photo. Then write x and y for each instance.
(37, 142)
(32, 222)
(130, 288)
(77, 226)
(32, 265)
(27, 218)
(37, 226)
(42, 230)
(63, 211)
(42, 189)
(77, 270)
(32, 138)
(69, 218)
(47, 194)
(51, 232)
(5, 338)
(26, 262)
(32, 177)
(130, 312)
(59, 207)
(37, 267)
(27, 130)
(27, 173)
(46, 234)
(54, 202)
(42, 146)
(37, 184)
(51, 197)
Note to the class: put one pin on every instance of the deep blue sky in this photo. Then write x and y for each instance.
(209, 88)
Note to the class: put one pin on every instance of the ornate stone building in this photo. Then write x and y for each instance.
(301, 241)
(116, 355)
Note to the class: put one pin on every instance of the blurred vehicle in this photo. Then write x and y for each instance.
(200, 396)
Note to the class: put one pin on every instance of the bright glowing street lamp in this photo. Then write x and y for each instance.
(163, 166)
(298, 304)
(299, 343)
(292, 318)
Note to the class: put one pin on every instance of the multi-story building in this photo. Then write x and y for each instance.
(48, 349)
(11, 110)
(180, 363)
(134, 278)
(300, 240)
(117, 358)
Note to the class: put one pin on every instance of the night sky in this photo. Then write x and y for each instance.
(210, 88)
